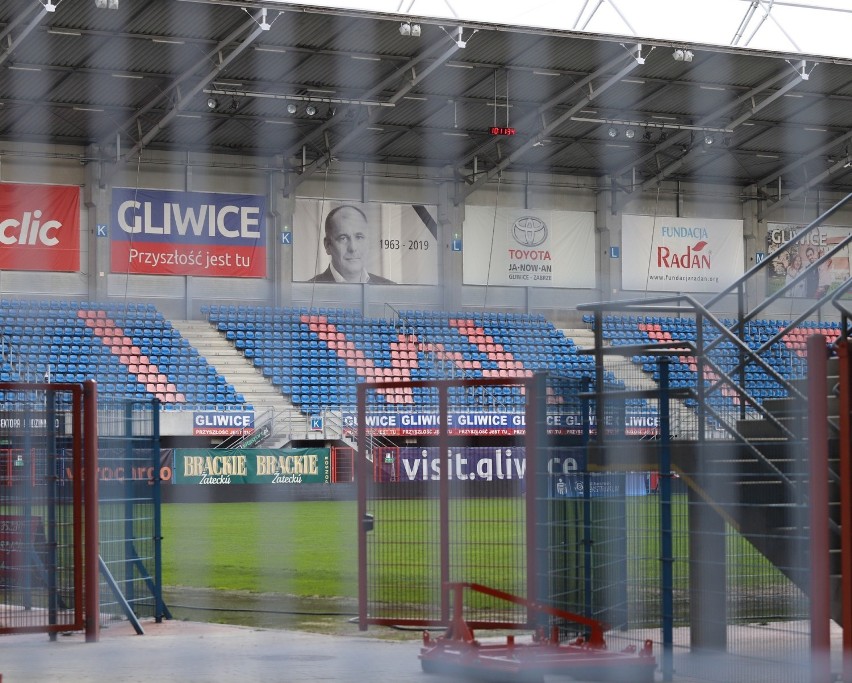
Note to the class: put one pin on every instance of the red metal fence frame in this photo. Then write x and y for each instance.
(84, 501)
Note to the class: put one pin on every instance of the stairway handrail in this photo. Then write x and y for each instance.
(845, 313)
(675, 346)
(697, 308)
(724, 378)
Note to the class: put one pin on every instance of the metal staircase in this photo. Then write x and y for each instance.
(756, 477)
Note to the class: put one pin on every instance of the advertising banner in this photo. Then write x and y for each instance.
(486, 424)
(162, 232)
(349, 242)
(39, 227)
(534, 248)
(786, 266)
(481, 463)
(214, 423)
(669, 254)
(216, 467)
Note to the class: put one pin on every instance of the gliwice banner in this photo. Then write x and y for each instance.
(668, 254)
(534, 248)
(39, 227)
(161, 232)
(786, 266)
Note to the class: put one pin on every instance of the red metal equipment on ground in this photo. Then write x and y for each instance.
(458, 652)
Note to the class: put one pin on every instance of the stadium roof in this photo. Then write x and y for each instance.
(239, 77)
(801, 26)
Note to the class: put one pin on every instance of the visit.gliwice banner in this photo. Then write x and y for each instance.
(162, 232)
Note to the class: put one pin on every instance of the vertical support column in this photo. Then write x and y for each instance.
(845, 398)
(450, 224)
(820, 574)
(707, 575)
(96, 198)
(285, 210)
(90, 485)
(607, 234)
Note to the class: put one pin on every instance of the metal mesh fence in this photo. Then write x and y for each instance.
(41, 532)
(446, 511)
(129, 509)
(700, 546)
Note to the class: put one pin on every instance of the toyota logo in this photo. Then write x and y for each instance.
(529, 231)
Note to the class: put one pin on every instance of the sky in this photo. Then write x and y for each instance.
(811, 27)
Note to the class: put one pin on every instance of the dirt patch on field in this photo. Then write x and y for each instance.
(333, 616)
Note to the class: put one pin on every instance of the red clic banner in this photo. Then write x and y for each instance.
(39, 227)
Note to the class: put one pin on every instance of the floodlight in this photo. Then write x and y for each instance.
(291, 108)
(212, 103)
(612, 132)
(415, 30)
(405, 29)
(311, 110)
(629, 133)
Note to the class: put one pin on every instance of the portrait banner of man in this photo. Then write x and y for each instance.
(350, 242)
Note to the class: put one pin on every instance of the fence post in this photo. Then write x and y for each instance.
(360, 467)
(666, 545)
(90, 484)
(818, 509)
(845, 394)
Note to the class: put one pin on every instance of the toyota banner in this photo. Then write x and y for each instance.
(526, 248)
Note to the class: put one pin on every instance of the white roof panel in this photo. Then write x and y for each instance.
(807, 27)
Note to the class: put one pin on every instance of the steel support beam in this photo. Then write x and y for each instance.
(357, 130)
(532, 141)
(29, 28)
(181, 104)
(713, 117)
(164, 92)
(799, 191)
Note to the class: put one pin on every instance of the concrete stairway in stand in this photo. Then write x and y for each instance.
(286, 421)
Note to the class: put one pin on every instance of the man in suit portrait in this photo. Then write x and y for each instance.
(347, 241)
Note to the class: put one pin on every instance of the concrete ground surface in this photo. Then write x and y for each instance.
(195, 652)
(191, 652)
